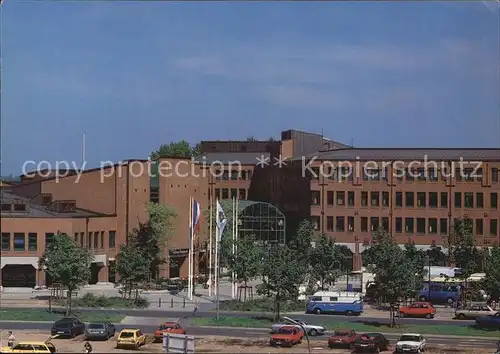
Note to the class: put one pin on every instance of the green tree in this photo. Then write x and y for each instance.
(68, 264)
(462, 251)
(177, 149)
(133, 266)
(246, 262)
(491, 283)
(326, 261)
(300, 245)
(436, 256)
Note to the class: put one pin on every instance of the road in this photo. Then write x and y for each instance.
(308, 318)
(452, 342)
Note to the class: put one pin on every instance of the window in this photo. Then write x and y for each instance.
(351, 198)
(315, 221)
(242, 194)
(410, 202)
(102, 239)
(225, 193)
(444, 199)
(234, 175)
(399, 225)
(458, 174)
(479, 227)
(421, 199)
(217, 193)
(399, 199)
(443, 226)
(340, 198)
(494, 201)
(340, 224)
(350, 223)
(5, 241)
(329, 223)
(385, 199)
(32, 241)
(112, 239)
(493, 227)
(469, 174)
(433, 226)
(478, 176)
(480, 200)
(364, 199)
(458, 200)
(371, 174)
(19, 207)
(225, 175)
(329, 198)
(409, 225)
(410, 176)
(421, 174)
(49, 238)
(244, 175)
(375, 223)
(315, 198)
(82, 239)
(96, 239)
(76, 237)
(421, 226)
(433, 174)
(234, 193)
(19, 242)
(385, 223)
(433, 199)
(154, 194)
(6, 207)
(375, 199)
(89, 240)
(364, 224)
(494, 175)
(469, 200)
(314, 174)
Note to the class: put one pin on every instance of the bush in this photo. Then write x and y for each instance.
(91, 300)
(262, 305)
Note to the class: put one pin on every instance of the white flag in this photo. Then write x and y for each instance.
(221, 220)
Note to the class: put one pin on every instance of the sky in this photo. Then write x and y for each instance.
(135, 75)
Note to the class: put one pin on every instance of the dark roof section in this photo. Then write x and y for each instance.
(407, 154)
(308, 143)
(243, 158)
(39, 211)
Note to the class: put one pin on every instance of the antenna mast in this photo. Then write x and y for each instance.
(83, 149)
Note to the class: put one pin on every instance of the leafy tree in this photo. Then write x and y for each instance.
(67, 264)
(491, 282)
(461, 246)
(300, 245)
(436, 256)
(134, 266)
(246, 262)
(281, 270)
(416, 256)
(251, 139)
(326, 261)
(177, 149)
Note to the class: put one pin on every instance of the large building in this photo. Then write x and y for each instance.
(347, 192)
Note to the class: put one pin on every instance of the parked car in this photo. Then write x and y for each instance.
(311, 330)
(474, 311)
(287, 336)
(418, 309)
(30, 347)
(342, 338)
(370, 342)
(68, 327)
(130, 338)
(410, 343)
(168, 327)
(489, 322)
(100, 331)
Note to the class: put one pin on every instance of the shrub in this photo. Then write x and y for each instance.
(91, 300)
(262, 305)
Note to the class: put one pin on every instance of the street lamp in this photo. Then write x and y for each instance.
(428, 259)
(303, 329)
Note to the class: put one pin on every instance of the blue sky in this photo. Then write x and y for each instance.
(136, 75)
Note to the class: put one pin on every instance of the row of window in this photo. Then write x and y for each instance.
(403, 174)
(407, 199)
(225, 193)
(29, 242)
(245, 175)
(408, 226)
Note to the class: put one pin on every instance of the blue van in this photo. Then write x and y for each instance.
(347, 303)
(448, 293)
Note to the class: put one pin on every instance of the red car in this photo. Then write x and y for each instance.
(168, 327)
(342, 338)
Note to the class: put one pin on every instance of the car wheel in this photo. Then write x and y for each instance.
(348, 313)
(461, 316)
(449, 301)
(317, 311)
(313, 332)
(377, 349)
(422, 299)
(401, 315)
(428, 316)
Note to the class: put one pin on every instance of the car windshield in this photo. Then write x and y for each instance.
(285, 331)
(341, 333)
(365, 340)
(127, 335)
(96, 326)
(409, 339)
(167, 326)
(63, 324)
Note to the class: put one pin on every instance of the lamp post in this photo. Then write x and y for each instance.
(428, 259)
(288, 319)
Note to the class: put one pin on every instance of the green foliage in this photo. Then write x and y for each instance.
(67, 264)
(177, 149)
(491, 283)
(133, 266)
(91, 300)
(300, 245)
(461, 246)
(326, 261)
(436, 256)
(246, 262)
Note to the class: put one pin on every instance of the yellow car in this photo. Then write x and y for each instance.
(30, 347)
(130, 338)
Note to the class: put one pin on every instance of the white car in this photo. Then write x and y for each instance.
(311, 330)
(410, 343)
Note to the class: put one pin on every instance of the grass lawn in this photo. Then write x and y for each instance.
(13, 314)
(331, 324)
(262, 305)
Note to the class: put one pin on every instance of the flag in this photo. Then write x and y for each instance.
(221, 220)
(195, 223)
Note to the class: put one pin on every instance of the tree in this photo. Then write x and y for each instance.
(133, 266)
(326, 261)
(177, 149)
(491, 283)
(300, 245)
(461, 246)
(436, 256)
(68, 264)
(246, 262)
(251, 139)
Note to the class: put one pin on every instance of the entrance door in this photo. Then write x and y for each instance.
(19, 276)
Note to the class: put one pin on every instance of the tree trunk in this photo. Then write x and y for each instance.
(68, 302)
(277, 307)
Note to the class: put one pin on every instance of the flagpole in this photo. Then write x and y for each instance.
(234, 220)
(216, 260)
(236, 237)
(210, 260)
(190, 291)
